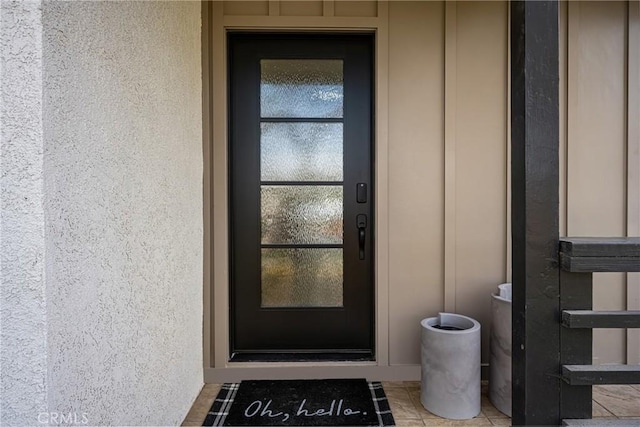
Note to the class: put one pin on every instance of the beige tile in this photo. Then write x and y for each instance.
(489, 410)
(400, 403)
(599, 411)
(620, 400)
(478, 421)
(192, 420)
(409, 423)
(210, 391)
(412, 385)
(424, 414)
(197, 413)
(492, 412)
(414, 394)
(392, 384)
(201, 406)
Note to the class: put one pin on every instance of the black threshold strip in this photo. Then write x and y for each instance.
(301, 246)
(301, 120)
(347, 356)
(303, 183)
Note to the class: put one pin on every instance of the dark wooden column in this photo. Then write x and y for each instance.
(534, 161)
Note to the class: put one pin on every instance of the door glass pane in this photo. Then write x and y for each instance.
(301, 214)
(301, 151)
(311, 88)
(301, 277)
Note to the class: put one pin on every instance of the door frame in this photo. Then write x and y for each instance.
(217, 367)
(343, 332)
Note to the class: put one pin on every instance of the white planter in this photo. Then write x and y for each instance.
(500, 344)
(451, 366)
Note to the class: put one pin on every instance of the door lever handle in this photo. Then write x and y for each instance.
(361, 221)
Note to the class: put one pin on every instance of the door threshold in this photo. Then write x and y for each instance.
(348, 356)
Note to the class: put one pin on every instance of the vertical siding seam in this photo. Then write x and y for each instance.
(450, 107)
(633, 165)
(274, 8)
(328, 8)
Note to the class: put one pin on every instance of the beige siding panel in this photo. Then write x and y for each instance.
(301, 8)
(415, 172)
(246, 8)
(356, 8)
(481, 141)
(596, 147)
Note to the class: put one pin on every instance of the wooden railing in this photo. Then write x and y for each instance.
(579, 259)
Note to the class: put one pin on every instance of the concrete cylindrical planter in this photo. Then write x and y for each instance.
(451, 366)
(500, 345)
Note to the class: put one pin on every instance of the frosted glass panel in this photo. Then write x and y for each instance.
(301, 214)
(302, 278)
(301, 151)
(301, 88)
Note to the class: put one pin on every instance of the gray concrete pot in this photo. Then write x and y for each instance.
(500, 345)
(451, 366)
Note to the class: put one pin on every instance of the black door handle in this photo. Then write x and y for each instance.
(361, 221)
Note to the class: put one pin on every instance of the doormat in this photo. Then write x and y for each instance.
(352, 402)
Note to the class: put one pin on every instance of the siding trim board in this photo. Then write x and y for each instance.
(633, 165)
(450, 108)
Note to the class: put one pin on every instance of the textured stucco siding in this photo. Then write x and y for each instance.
(123, 201)
(22, 245)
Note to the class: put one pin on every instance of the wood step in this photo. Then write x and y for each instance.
(601, 319)
(603, 422)
(601, 374)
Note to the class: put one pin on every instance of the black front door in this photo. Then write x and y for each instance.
(301, 196)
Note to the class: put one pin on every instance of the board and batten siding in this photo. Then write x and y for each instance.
(442, 156)
(600, 145)
(447, 143)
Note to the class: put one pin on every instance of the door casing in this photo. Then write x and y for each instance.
(217, 367)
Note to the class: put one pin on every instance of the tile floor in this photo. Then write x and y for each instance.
(610, 401)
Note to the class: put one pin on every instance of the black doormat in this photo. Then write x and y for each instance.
(301, 403)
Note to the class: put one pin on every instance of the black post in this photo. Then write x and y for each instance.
(575, 343)
(534, 163)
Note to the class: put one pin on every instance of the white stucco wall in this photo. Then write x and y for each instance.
(123, 204)
(22, 245)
